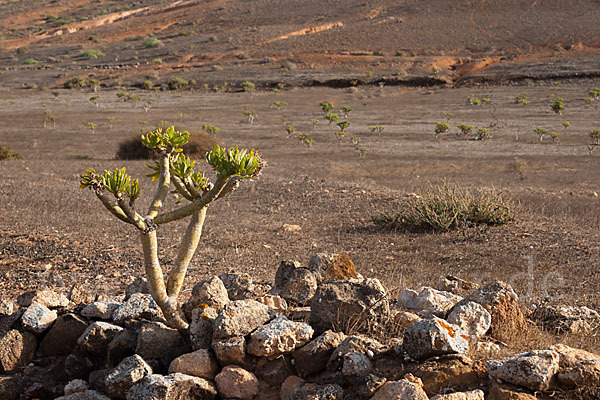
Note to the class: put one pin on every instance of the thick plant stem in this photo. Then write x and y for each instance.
(187, 249)
(164, 182)
(113, 208)
(156, 282)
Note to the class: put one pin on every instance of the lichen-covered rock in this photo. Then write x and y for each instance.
(16, 349)
(76, 385)
(200, 363)
(533, 370)
(351, 344)
(280, 336)
(501, 301)
(313, 356)
(332, 267)
(240, 317)
(210, 292)
(577, 367)
(402, 389)
(231, 350)
(158, 341)
(567, 319)
(294, 283)
(471, 395)
(455, 371)
(46, 297)
(313, 391)
(97, 336)
(125, 375)
(275, 302)
(37, 318)
(234, 382)
(172, 387)
(239, 286)
(62, 337)
(434, 337)
(345, 305)
(138, 306)
(101, 309)
(471, 318)
(427, 301)
(202, 327)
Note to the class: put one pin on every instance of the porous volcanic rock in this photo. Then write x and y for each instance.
(471, 395)
(158, 341)
(471, 318)
(434, 337)
(62, 337)
(210, 292)
(332, 267)
(355, 343)
(101, 309)
(125, 375)
(427, 301)
(331, 391)
(16, 349)
(46, 297)
(313, 356)
(577, 367)
(455, 371)
(231, 350)
(37, 318)
(239, 286)
(138, 306)
(97, 336)
(172, 387)
(202, 327)
(234, 382)
(533, 370)
(294, 283)
(240, 317)
(403, 389)
(200, 363)
(571, 319)
(280, 336)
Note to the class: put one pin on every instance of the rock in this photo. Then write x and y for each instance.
(489, 348)
(138, 306)
(234, 382)
(351, 344)
(577, 367)
(100, 310)
(125, 375)
(295, 284)
(7, 307)
(472, 395)
(230, 350)
(78, 366)
(498, 392)
(316, 392)
(400, 390)
(345, 305)
(61, 339)
(240, 317)
(299, 314)
(85, 395)
(332, 267)
(139, 285)
(79, 294)
(313, 356)
(456, 285)
(210, 292)
(46, 297)
(97, 379)
(471, 318)
(37, 318)
(356, 364)
(453, 371)
(367, 385)
(563, 319)
(276, 371)
(533, 370)
(16, 349)
(404, 319)
(97, 336)
(291, 228)
(75, 386)
(501, 301)
(202, 327)
(427, 301)
(239, 286)
(172, 387)
(200, 363)
(10, 386)
(158, 341)
(280, 336)
(290, 384)
(277, 303)
(122, 346)
(8, 322)
(434, 337)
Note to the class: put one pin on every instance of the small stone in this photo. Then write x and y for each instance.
(172, 387)
(291, 228)
(456, 285)
(280, 336)
(85, 395)
(202, 327)
(434, 337)
(471, 318)
(100, 310)
(533, 370)
(277, 303)
(332, 267)
(122, 346)
(234, 382)
(210, 292)
(37, 318)
(314, 391)
(313, 356)
(7, 307)
(472, 395)
(400, 390)
(240, 317)
(577, 367)
(231, 350)
(455, 371)
(158, 341)
(295, 284)
(239, 286)
(404, 319)
(356, 364)
(61, 339)
(125, 375)
(97, 336)
(46, 297)
(427, 301)
(138, 306)
(354, 343)
(274, 372)
(562, 319)
(75, 386)
(16, 349)
(200, 363)
(79, 294)
(367, 385)
(290, 384)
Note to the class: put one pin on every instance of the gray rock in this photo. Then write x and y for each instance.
(240, 317)
(201, 363)
(158, 341)
(456, 285)
(37, 318)
(346, 305)
(16, 349)
(471, 318)
(202, 327)
(125, 375)
(100, 310)
(356, 364)
(471, 395)
(427, 301)
(172, 387)
(404, 389)
(97, 336)
(434, 337)
(122, 346)
(231, 350)
(7, 307)
(280, 336)
(313, 357)
(234, 382)
(577, 367)
(239, 286)
(62, 337)
(210, 292)
(295, 284)
(367, 385)
(352, 344)
(332, 267)
(533, 370)
(313, 391)
(567, 319)
(138, 306)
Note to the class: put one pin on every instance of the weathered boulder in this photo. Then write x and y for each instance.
(346, 305)
(240, 317)
(172, 387)
(46, 297)
(427, 301)
(501, 301)
(97, 336)
(7, 307)
(455, 371)
(434, 337)
(80, 294)
(403, 389)
(351, 344)
(332, 267)
(62, 337)
(202, 327)
(533, 370)
(294, 283)
(567, 319)
(290, 384)
(313, 356)
(275, 302)
(276, 371)
(331, 391)
(138, 306)
(210, 292)
(16, 349)
(37, 318)
(404, 319)
(577, 367)
(78, 365)
(234, 382)
(280, 336)
(125, 375)
(471, 395)
(231, 350)
(200, 363)
(471, 318)
(356, 364)
(101, 309)
(498, 392)
(158, 341)
(239, 286)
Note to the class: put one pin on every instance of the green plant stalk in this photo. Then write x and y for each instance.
(182, 189)
(162, 190)
(110, 206)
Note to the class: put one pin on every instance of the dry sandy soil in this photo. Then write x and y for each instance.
(402, 65)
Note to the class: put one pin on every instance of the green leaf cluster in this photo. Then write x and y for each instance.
(170, 140)
(233, 162)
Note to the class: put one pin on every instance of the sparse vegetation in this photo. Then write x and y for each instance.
(441, 127)
(249, 114)
(376, 129)
(30, 61)
(326, 107)
(6, 153)
(558, 106)
(75, 82)
(595, 135)
(213, 130)
(248, 86)
(541, 132)
(466, 129)
(483, 134)
(331, 117)
(346, 110)
(178, 83)
(91, 126)
(554, 136)
(92, 54)
(151, 42)
(279, 104)
(94, 99)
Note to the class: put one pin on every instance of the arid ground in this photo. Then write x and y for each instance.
(401, 65)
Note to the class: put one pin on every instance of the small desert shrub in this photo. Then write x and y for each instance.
(132, 148)
(30, 61)
(445, 207)
(6, 153)
(178, 83)
(151, 42)
(75, 82)
(92, 54)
